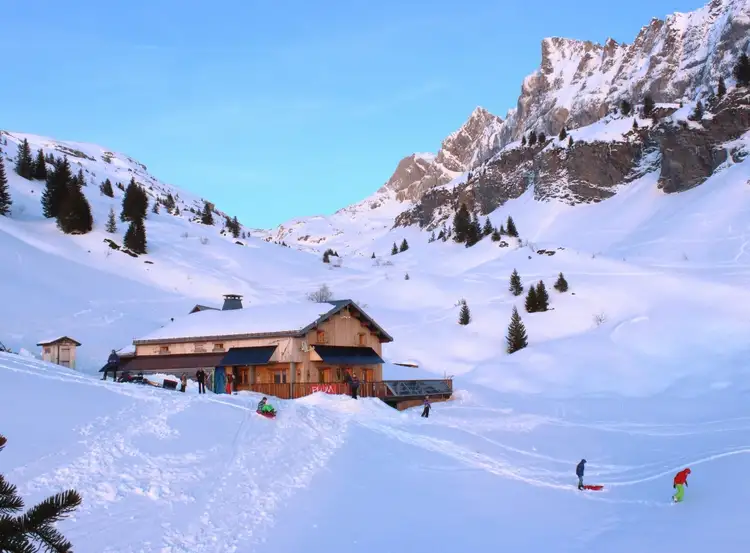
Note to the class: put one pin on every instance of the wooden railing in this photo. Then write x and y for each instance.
(385, 389)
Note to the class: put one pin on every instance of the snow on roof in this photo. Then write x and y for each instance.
(55, 340)
(256, 319)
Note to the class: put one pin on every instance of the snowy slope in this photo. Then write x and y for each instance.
(167, 472)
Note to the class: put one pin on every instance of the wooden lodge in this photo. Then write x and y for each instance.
(287, 351)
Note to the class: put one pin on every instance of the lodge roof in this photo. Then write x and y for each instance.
(272, 320)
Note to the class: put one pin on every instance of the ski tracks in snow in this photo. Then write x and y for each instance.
(268, 461)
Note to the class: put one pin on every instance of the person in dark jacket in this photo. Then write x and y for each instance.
(579, 473)
(426, 410)
(113, 363)
(355, 386)
(201, 377)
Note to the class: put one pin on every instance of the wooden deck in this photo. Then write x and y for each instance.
(393, 392)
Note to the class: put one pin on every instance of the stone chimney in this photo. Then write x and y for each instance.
(232, 301)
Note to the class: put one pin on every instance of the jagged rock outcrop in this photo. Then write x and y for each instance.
(676, 59)
(474, 142)
(685, 152)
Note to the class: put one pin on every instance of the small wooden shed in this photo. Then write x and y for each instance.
(60, 351)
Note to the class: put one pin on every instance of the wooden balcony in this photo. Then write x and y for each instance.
(393, 392)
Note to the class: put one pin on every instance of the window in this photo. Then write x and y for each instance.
(218, 347)
(163, 349)
(244, 376)
(320, 336)
(279, 377)
(362, 339)
(199, 348)
(47, 350)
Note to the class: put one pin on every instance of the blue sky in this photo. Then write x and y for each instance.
(276, 109)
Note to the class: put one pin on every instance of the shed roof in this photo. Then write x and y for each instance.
(57, 340)
(288, 319)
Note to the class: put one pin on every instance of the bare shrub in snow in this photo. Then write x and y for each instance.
(321, 295)
(204, 240)
(600, 319)
(184, 235)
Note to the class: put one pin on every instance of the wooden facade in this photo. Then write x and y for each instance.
(294, 359)
(60, 351)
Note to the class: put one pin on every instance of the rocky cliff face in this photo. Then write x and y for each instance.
(685, 152)
(672, 60)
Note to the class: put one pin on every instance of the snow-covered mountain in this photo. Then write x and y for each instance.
(579, 84)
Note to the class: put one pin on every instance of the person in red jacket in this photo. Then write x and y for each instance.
(680, 481)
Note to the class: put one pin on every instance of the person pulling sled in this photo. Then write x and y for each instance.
(680, 481)
(579, 473)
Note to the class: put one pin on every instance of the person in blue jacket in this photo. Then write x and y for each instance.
(579, 473)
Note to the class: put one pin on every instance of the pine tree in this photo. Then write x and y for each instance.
(542, 138)
(40, 166)
(516, 287)
(626, 107)
(441, 235)
(74, 216)
(236, 228)
(635, 124)
(648, 106)
(523, 140)
(135, 237)
(516, 338)
(80, 179)
(394, 249)
(561, 285)
(111, 222)
(34, 530)
(741, 71)
(155, 208)
(511, 226)
(502, 230)
(106, 189)
(404, 246)
(570, 141)
(24, 161)
(697, 114)
(495, 236)
(531, 303)
(176, 210)
(563, 134)
(134, 202)
(406, 276)
(5, 201)
(56, 189)
(532, 138)
(326, 256)
(373, 255)
(207, 216)
(464, 316)
(542, 297)
(722, 88)
(461, 224)
(474, 232)
(431, 239)
(487, 229)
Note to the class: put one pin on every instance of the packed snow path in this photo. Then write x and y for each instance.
(167, 472)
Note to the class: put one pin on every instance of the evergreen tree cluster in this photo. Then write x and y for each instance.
(134, 208)
(5, 201)
(24, 161)
(233, 225)
(398, 249)
(106, 189)
(207, 216)
(64, 200)
(467, 229)
(537, 298)
(35, 529)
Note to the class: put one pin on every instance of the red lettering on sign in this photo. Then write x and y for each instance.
(325, 388)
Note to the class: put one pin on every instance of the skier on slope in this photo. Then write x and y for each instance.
(680, 481)
(579, 473)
